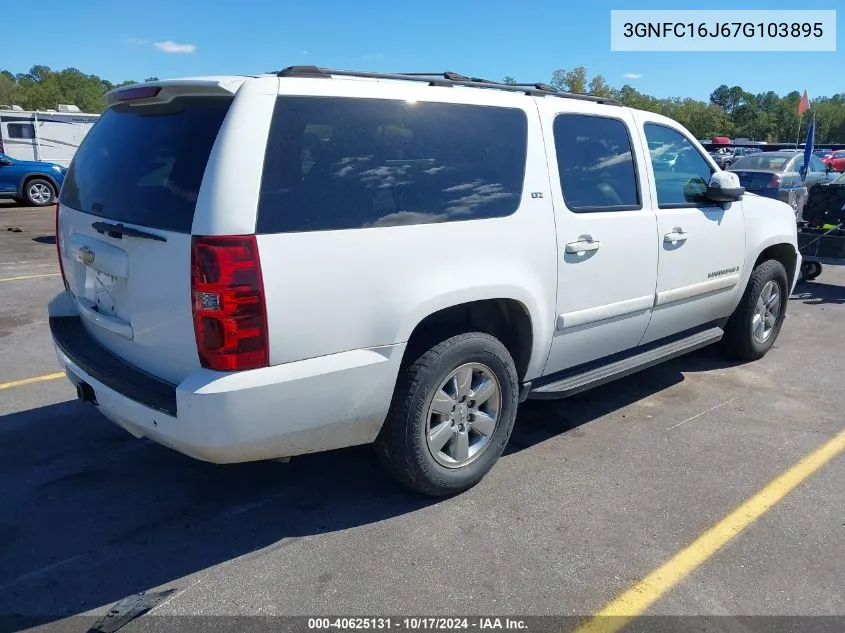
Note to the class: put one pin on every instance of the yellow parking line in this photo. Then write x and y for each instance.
(633, 602)
(29, 381)
(30, 277)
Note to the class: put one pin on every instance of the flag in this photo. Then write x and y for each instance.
(804, 104)
(808, 148)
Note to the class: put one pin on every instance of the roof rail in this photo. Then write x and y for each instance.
(446, 79)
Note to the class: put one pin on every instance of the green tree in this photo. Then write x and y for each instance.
(574, 80)
(600, 88)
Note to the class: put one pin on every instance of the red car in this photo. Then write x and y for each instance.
(836, 160)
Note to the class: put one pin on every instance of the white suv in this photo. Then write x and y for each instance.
(266, 266)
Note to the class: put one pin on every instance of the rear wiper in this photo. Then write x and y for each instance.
(119, 230)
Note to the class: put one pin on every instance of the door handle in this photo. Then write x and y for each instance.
(677, 235)
(585, 243)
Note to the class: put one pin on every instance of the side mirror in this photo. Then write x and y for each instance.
(829, 168)
(724, 187)
(5, 161)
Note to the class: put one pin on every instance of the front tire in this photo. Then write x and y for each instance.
(39, 192)
(452, 414)
(755, 324)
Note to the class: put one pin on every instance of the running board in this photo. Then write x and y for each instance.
(606, 373)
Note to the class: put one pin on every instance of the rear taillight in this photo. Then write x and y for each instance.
(230, 320)
(59, 249)
(775, 182)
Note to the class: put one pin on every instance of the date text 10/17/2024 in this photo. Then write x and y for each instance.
(417, 624)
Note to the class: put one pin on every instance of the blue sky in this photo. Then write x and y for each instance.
(527, 39)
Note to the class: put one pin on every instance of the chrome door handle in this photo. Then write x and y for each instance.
(585, 243)
(677, 235)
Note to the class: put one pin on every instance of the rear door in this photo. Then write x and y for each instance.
(126, 215)
(606, 231)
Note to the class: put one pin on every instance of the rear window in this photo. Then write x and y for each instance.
(342, 163)
(762, 162)
(144, 165)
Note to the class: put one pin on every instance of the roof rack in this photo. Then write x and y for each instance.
(445, 79)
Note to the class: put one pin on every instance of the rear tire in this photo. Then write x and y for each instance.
(39, 192)
(755, 324)
(452, 414)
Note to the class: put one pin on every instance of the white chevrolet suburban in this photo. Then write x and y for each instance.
(259, 267)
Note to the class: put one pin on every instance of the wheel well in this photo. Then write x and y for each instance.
(32, 177)
(785, 254)
(506, 319)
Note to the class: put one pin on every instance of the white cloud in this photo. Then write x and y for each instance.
(633, 76)
(173, 47)
(303, 53)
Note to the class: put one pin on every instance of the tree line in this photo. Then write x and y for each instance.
(43, 88)
(730, 111)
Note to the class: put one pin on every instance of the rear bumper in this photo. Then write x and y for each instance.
(301, 407)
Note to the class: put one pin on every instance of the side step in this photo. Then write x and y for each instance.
(606, 373)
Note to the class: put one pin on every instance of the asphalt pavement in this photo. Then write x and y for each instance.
(593, 493)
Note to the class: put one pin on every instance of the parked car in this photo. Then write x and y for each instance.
(777, 175)
(823, 153)
(836, 161)
(30, 182)
(446, 249)
(726, 156)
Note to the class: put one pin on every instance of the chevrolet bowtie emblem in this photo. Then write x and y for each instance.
(85, 255)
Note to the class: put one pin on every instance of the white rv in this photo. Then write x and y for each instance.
(44, 135)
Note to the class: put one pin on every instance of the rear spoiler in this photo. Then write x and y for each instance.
(163, 91)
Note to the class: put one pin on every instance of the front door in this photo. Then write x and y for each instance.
(701, 244)
(606, 232)
(9, 178)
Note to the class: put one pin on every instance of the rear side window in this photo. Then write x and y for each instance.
(595, 164)
(342, 163)
(144, 165)
(21, 130)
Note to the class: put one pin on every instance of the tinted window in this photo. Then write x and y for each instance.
(144, 165)
(595, 164)
(681, 173)
(21, 130)
(340, 163)
(770, 163)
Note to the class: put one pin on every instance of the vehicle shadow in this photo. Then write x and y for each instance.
(540, 420)
(818, 293)
(45, 239)
(92, 515)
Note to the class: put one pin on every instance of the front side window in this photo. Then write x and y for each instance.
(816, 164)
(681, 173)
(595, 164)
(21, 130)
(342, 163)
